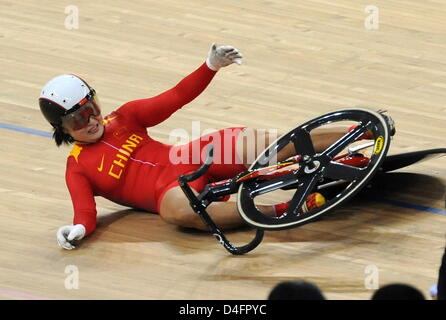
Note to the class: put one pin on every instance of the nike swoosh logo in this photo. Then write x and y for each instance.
(102, 164)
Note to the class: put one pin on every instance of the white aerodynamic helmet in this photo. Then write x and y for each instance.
(68, 100)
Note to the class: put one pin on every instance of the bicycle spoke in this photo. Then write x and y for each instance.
(344, 141)
(339, 171)
(306, 187)
(303, 143)
(274, 184)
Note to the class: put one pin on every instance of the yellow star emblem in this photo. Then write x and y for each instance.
(76, 151)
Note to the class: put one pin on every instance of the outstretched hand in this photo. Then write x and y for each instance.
(68, 234)
(222, 56)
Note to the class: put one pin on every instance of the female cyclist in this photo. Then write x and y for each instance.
(114, 157)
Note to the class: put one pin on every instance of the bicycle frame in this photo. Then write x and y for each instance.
(217, 190)
(314, 170)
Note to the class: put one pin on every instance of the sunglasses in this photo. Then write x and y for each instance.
(80, 117)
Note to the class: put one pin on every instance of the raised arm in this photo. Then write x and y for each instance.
(152, 111)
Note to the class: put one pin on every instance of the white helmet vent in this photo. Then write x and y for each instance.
(66, 90)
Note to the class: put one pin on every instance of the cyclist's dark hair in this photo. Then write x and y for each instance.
(61, 137)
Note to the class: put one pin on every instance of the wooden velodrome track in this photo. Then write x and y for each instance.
(302, 59)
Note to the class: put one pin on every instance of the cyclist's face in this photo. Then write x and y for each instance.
(91, 133)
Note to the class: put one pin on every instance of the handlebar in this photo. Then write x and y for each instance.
(199, 207)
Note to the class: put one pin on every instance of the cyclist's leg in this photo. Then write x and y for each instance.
(253, 142)
(174, 208)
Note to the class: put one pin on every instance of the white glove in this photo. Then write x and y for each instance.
(67, 234)
(222, 56)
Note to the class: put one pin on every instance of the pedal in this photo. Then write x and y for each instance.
(313, 201)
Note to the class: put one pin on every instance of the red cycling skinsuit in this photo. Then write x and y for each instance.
(128, 167)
